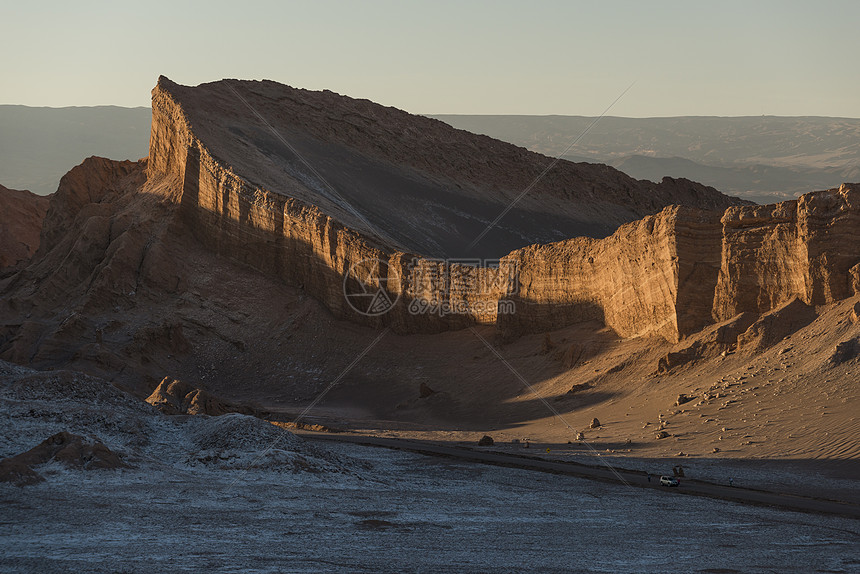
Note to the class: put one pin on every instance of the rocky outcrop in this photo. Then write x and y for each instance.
(845, 351)
(175, 397)
(407, 182)
(652, 276)
(667, 274)
(90, 186)
(714, 340)
(805, 248)
(216, 173)
(282, 234)
(21, 215)
(74, 451)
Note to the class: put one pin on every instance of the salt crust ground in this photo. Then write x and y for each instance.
(200, 497)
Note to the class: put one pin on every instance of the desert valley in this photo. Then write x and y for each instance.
(308, 330)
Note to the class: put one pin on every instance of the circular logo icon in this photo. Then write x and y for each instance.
(365, 287)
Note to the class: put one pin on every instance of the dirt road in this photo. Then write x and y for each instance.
(637, 479)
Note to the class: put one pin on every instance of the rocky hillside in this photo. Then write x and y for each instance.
(21, 215)
(201, 260)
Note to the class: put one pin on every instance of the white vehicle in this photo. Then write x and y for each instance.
(669, 481)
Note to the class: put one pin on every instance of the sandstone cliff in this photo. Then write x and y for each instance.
(650, 277)
(21, 215)
(118, 230)
(405, 182)
(667, 274)
(293, 228)
(804, 248)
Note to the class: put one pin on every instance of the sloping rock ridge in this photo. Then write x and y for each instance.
(294, 229)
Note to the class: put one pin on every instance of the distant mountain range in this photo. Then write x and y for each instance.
(39, 145)
(762, 158)
(765, 159)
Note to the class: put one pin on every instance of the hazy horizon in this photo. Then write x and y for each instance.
(500, 58)
(435, 114)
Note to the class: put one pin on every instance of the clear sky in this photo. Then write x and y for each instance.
(498, 57)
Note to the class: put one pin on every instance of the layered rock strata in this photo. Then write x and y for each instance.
(668, 274)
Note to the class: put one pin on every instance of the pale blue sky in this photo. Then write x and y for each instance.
(687, 58)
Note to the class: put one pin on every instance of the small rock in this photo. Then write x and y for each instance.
(595, 424)
(683, 398)
(661, 434)
(424, 391)
(486, 440)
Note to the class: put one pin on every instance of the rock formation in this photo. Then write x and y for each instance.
(174, 397)
(72, 450)
(805, 248)
(228, 179)
(21, 215)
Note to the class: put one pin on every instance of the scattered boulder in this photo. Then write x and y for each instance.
(425, 391)
(580, 436)
(661, 434)
(595, 424)
(683, 398)
(70, 449)
(486, 440)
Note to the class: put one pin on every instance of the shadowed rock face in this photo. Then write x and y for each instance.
(410, 182)
(21, 215)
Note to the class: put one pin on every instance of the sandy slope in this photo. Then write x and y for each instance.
(790, 401)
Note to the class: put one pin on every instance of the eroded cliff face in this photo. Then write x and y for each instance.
(651, 277)
(668, 274)
(773, 253)
(297, 242)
